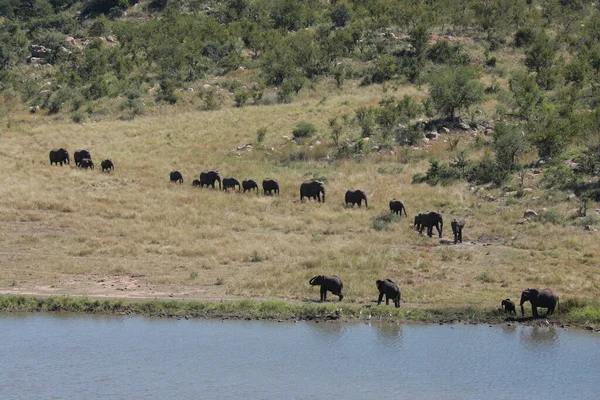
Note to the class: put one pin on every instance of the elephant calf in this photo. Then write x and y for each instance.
(509, 306)
(80, 155)
(388, 288)
(196, 183)
(397, 206)
(539, 298)
(328, 283)
(86, 163)
(176, 176)
(107, 166)
(249, 184)
(457, 227)
(356, 197)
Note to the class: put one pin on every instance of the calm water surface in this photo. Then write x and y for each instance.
(89, 357)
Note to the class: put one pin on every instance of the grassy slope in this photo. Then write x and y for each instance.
(66, 231)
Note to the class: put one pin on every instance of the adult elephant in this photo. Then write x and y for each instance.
(86, 163)
(328, 283)
(539, 298)
(208, 178)
(59, 156)
(107, 165)
(249, 184)
(80, 155)
(356, 197)
(175, 176)
(270, 186)
(397, 206)
(388, 288)
(231, 183)
(312, 189)
(430, 220)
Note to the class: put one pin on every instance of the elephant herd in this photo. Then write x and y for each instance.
(333, 284)
(538, 298)
(82, 158)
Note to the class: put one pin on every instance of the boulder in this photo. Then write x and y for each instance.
(38, 51)
(464, 126)
(529, 214)
(443, 129)
(432, 135)
(36, 60)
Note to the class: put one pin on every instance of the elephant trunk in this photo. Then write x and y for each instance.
(366, 204)
(323, 197)
(312, 281)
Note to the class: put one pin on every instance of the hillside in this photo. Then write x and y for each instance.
(480, 112)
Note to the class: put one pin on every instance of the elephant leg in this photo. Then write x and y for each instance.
(323, 293)
(380, 298)
(534, 311)
(438, 229)
(387, 300)
(397, 302)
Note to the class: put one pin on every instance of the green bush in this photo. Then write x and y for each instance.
(241, 98)
(304, 130)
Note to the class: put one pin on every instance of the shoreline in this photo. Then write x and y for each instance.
(583, 317)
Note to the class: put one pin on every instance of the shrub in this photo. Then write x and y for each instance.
(260, 134)
(241, 98)
(524, 37)
(340, 15)
(304, 130)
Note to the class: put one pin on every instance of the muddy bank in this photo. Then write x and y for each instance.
(585, 316)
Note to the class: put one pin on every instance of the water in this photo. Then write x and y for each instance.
(89, 357)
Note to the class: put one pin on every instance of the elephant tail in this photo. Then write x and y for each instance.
(404, 208)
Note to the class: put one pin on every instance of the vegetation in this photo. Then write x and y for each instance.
(479, 109)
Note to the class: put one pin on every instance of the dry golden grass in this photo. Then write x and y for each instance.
(134, 234)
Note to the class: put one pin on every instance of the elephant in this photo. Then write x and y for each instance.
(457, 227)
(107, 165)
(196, 182)
(231, 183)
(388, 288)
(249, 184)
(332, 283)
(430, 220)
(397, 206)
(176, 176)
(539, 298)
(59, 156)
(418, 221)
(80, 155)
(86, 163)
(509, 306)
(312, 189)
(208, 178)
(270, 186)
(356, 197)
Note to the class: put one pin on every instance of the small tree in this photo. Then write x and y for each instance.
(509, 144)
(336, 130)
(454, 88)
(304, 130)
(340, 15)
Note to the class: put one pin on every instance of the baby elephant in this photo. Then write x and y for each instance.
(175, 176)
(107, 165)
(509, 307)
(388, 288)
(328, 283)
(457, 227)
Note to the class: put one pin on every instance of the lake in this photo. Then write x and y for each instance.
(48, 356)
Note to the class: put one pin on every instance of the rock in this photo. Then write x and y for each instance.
(36, 60)
(443, 129)
(488, 132)
(285, 137)
(190, 89)
(38, 51)
(111, 39)
(432, 135)
(522, 221)
(508, 194)
(572, 164)
(571, 196)
(528, 190)
(529, 214)
(464, 126)
(375, 148)
(590, 228)
(318, 142)
(426, 141)
(491, 197)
